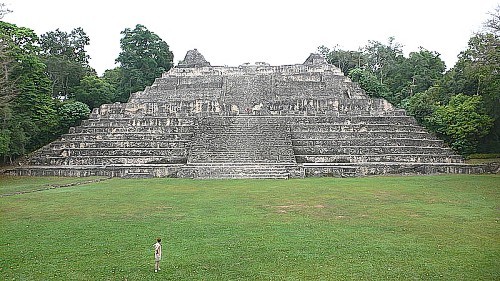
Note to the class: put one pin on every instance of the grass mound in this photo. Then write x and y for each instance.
(396, 228)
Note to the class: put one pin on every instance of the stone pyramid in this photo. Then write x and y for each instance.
(248, 121)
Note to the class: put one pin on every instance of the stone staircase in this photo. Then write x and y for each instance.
(367, 144)
(117, 146)
(241, 147)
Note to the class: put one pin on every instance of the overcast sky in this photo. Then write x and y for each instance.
(278, 32)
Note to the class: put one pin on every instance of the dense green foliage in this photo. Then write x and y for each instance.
(47, 85)
(462, 122)
(144, 57)
(94, 91)
(379, 228)
(71, 113)
(28, 114)
(420, 84)
(383, 71)
(370, 83)
(66, 59)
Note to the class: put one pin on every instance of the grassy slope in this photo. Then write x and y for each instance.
(433, 227)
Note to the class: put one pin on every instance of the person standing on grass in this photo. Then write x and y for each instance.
(157, 246)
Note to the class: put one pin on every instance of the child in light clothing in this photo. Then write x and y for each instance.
(157, 247)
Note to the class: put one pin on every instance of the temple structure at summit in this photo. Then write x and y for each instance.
(247, 121)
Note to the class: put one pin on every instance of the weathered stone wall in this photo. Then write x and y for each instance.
(394, 168)
(263, 89)
(123, 171)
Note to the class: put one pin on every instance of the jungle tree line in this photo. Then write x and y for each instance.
(461, 105)
(48, 86)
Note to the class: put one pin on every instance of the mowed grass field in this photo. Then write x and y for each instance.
(377, 228)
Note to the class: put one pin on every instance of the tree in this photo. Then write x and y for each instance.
(398, 77)
(144, 57)
(462, 122)
(477, 72)
(94, 91)
(70, 46)
(370, 83)
(8, 91)
(382, 59)
(16, 139)
(480, 64)
(345, 60)
(4, 141)
(422, 70)
(114, 77)
(72, 113)
(491, 78)
(66, 59)
(422, 105)
(31, 116)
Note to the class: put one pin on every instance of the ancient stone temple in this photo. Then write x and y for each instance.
(249, 121)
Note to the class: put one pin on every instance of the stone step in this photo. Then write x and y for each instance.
(114, 151)
(241, 159)
(367, 142)
(248, 148)
(106, 160)
(236, 152)
(230, 164)
(240, 133)
(138, 175)
(131, 130)
(118, 144)
(366, 135)
(369, 150)
(352, 119)
(332, 170)
(397, 168)
(355, 128)
(114, 170)
(411, 158)
(236, 171)
(127, 136)
(139, 122)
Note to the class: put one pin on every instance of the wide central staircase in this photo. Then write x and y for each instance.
(241, 147)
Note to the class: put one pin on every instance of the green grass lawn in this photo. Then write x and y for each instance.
(375, 228)
(13, 185)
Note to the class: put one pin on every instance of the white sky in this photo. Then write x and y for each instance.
(278, 32)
